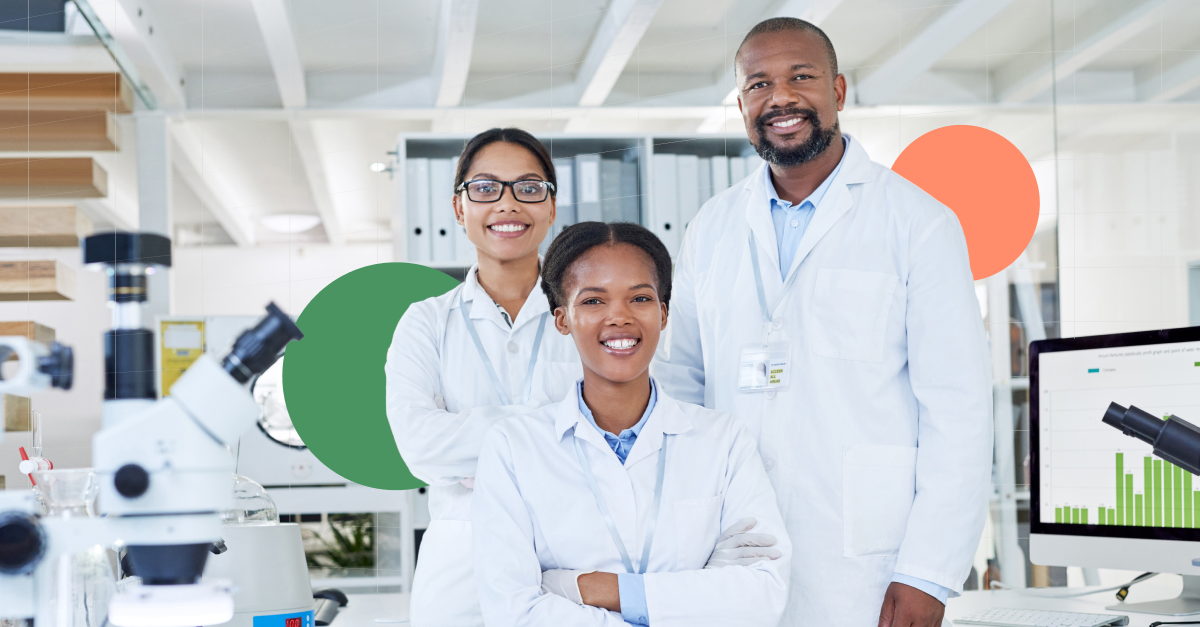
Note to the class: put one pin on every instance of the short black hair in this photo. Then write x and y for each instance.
(577, 239)
(785, 24)
(510, 135)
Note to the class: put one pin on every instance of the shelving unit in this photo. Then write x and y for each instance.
(657, 181)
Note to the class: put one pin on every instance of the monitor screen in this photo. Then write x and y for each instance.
(1089, 478)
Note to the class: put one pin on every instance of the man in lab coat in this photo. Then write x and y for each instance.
(875, 422)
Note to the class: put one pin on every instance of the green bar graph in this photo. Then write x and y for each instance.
(1158, 488)
(1164, 497)
(1120, 488)
(1147, 474)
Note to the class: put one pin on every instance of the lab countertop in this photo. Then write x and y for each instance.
(374, 610)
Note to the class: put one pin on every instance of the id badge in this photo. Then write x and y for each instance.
(764, 367)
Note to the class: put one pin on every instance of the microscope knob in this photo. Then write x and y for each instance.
(22, 543)
(132, 481)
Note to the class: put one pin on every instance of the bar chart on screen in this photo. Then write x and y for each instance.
(1093, 474)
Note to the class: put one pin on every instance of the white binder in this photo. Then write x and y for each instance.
(630, 201)
(417, 205)
(464, 250)
(441, 190)
(737, 170)
(587, 188)
(564, 214)
(720, 174)
(706, 186)
(688, 171)
(665, 198)
(753, 161)
(610, 190)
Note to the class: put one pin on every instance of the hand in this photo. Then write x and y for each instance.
(905, 606)
(564, 583)
(736, 547)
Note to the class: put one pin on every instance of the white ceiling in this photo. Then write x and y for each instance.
(372, 69)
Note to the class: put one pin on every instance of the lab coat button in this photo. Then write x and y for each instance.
(777, 324)
(769, 464)
(770, 394)
(513, 348)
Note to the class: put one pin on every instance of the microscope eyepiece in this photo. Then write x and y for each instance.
(256, 349)
(1174, 439)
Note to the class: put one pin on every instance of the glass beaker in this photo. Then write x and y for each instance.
(67, 493)
(84, 580)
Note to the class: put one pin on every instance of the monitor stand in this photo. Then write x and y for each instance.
(1188, 601)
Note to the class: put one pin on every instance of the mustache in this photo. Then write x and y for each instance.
(810, 115)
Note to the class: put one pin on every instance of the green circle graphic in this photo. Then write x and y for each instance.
(333, 379)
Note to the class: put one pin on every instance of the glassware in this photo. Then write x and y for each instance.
(251, 504)
(84, 581)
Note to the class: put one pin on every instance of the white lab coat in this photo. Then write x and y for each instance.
(880, 450)
(440, 404)
(533, 512)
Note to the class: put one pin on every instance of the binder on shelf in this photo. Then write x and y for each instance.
(630, 200)
(441, 189)
(464, 250)
(737, 170)
(720, 174)
(416, 204)
(564, 213)
(664, 190)
(704, 171)
(753, 161)
(687, 169)
(587, 188)
(610, 190)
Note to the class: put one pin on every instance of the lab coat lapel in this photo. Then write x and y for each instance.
(667, 418)
(758, 216)
(835, 204)
(567, 415)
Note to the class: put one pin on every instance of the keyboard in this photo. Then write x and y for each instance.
(1006, 617)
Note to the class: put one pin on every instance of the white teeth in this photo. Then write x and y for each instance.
(508, 228)
(788, 123)
(621, 344)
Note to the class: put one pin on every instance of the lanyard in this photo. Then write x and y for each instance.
(608, 520)
(758, 282)
(465, 308)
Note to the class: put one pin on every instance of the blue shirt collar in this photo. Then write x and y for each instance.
(819, 193)
(623, 443)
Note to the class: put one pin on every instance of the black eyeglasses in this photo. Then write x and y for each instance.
(484, 190)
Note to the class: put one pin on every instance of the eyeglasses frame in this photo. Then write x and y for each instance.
(547, 185)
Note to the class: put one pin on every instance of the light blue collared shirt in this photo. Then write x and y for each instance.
(790, 223)
(792, 220)
(630, 587)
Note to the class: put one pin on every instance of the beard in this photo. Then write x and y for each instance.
(817, 141)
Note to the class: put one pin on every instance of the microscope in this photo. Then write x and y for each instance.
(164, 466)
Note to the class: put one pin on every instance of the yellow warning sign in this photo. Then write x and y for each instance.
(181, 343)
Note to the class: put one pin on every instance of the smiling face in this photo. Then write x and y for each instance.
(612, 311)
(505, 230)
(788, 96)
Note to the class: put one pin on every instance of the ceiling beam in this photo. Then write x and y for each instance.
(1116, 32)
(813, 11)
(314, 171)
(132, 25)
(619, 34)
(276, 28)
(452, 61)
(944, 34)
(1174, 82)
(189, 162)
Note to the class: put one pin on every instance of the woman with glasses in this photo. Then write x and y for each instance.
(486, 350)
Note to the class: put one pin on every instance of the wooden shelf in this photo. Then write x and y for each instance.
(17, 416)
(67, 177)
(65, 92)
(29, 329)
(36, 280)
(47, 226)
(58, 130)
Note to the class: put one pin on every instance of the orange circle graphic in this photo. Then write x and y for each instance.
(988, 184)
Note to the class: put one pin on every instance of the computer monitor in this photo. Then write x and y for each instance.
(1100, 498)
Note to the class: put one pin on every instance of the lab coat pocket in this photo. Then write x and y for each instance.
(878, 485)
(697, 527)
(849, 313)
